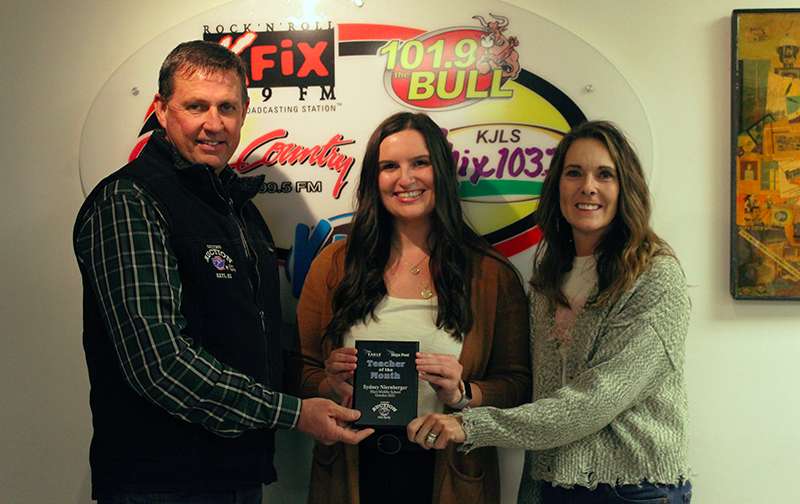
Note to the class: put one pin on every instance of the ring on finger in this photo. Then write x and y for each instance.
(431, 438)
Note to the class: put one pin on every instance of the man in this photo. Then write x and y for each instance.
(182, 310)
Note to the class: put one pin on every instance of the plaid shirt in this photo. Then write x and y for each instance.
(123, 246)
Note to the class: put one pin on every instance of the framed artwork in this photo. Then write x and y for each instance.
(765, 154)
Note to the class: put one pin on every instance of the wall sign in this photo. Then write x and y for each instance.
(504, 82)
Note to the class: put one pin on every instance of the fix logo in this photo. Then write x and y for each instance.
(452, 67)
(220, 261)
(292, 58)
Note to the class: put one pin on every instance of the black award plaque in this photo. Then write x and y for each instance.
(385, 383)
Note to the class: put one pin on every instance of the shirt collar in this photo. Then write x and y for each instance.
(241, 188)
(178, 161)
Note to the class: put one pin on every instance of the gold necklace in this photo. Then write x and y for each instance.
(415, 269)
(425, 291)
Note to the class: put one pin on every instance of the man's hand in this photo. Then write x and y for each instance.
(326, 421)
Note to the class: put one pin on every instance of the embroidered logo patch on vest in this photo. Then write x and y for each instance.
(220, 261)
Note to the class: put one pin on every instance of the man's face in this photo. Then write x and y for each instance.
(203, 118)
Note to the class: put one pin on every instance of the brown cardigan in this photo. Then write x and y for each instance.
(494, 355)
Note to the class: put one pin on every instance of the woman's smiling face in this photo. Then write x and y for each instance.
(405, 180)
(588, 192)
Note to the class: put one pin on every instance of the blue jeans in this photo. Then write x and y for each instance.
(246, 495)
(645, 493)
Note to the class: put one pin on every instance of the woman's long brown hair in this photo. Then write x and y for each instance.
(452, 243)
(625, 250)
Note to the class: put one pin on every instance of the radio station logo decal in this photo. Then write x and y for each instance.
(307, 244)
(288, 58)
(452, 67)
(268, 150)
(501, 169)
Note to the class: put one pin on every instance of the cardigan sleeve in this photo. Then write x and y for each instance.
(641, 343)
(313, 316)
(507, 380)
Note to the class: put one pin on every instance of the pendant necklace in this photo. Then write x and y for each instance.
(415, 269)
(425, 291)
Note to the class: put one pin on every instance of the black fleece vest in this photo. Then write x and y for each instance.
(232, 305)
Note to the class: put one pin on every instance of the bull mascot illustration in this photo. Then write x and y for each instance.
(498, 50)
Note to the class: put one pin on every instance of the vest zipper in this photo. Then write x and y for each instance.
(248, 252)
(242, 229)
(241, 226)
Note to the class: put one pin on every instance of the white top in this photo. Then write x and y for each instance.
(580, 280)
(409, 320)
(577, 285)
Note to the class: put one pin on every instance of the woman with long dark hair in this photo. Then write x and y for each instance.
(412, 269)
(610, 313)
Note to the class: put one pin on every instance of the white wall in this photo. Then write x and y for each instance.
(742, 365)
